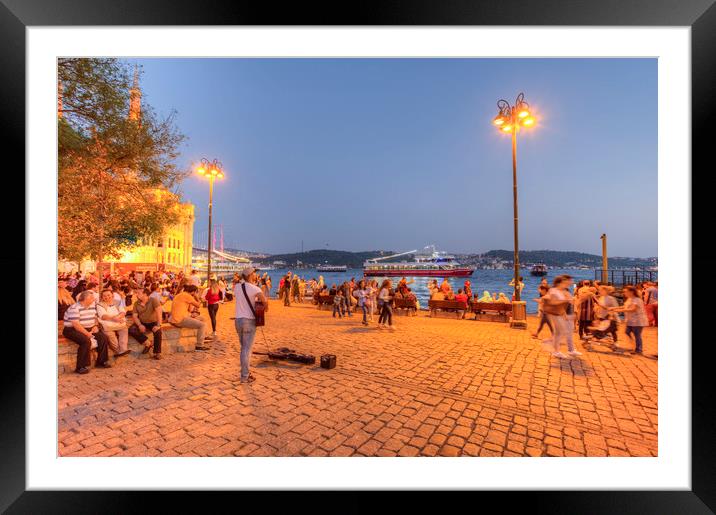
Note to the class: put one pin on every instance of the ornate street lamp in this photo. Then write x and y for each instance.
(511, 119)
(212, 170)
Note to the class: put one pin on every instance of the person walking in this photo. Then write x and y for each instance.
(651, 303)
(385, 298)
(246, 294)
(347, 296)
(543, 319)
(213, 296)
(556, 304)
(634, 316)
(338, 304)
(362, 293)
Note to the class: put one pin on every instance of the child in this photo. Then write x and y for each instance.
(338, 304)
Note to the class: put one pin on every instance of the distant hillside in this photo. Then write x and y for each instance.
(332, 257)
(566, 259)
(552, 258)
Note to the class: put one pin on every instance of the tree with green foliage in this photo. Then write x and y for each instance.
(116, 172)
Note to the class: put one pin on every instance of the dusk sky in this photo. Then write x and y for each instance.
(364, 154)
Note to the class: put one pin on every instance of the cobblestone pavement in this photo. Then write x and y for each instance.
(436, 386)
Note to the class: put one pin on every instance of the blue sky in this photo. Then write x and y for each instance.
(362, 154)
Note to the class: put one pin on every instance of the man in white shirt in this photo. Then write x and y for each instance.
(194, 279)
(245, 322)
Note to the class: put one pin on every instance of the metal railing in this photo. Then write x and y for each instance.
(619, 278)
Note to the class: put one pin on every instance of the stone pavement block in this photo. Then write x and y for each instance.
(435, 385)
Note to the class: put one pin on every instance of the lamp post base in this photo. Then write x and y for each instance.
(519, 315)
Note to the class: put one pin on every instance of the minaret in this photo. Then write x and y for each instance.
(135, 98)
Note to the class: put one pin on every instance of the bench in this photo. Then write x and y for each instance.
(324, 300)
(492, 311)
(174, 339)
(409, 305)
(456, 306)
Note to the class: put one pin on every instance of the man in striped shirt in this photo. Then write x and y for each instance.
(80, 326)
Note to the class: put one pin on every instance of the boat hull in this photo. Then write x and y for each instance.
(407, 272)
(538, 272)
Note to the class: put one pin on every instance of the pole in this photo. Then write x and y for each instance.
(514, 199)
(208, 254)
(605, 264)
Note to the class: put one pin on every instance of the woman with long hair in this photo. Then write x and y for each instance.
(213, 296)
(634, 316)
(385, 299)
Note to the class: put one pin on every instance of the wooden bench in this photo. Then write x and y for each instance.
(324, 300)
(456, 306)
(492, 311)
(174, 339)
(409, 305)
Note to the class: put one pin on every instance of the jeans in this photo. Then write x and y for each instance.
(142, 337)
(563, 328)
(386, 314)
(117, 340)
(348, 303)
(194, 323)
(636, 331)
(544, 321)
(365, 313)
(213, 309)
(85, 346)
(337, 309)
(246, 329)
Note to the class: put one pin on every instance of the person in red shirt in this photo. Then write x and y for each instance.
(461, 297)
(213, 295)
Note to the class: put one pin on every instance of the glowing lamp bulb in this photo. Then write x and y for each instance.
(201, 170)
(528, 122)
(524, 113)
(220, 175)
(213, 171)
(507, 128)
(499, 120)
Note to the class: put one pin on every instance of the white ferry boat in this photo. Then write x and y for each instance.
(433, 264)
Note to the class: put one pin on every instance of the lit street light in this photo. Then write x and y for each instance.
(211, 170)
(511, 119)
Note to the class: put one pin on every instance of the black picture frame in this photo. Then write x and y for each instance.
(17, 15)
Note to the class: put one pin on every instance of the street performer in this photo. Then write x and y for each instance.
(245, 293)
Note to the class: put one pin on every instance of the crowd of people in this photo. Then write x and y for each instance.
(592, 311)
(101, 312)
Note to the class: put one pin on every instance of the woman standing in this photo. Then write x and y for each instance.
(634, 315)
(213, 296)
(385, 298)
(362, 293)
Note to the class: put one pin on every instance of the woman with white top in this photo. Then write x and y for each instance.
(555, 304)
(362, 293)
(634, 316)
(112, 319)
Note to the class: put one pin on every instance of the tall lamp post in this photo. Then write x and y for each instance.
(212, 170)
(511, 119)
